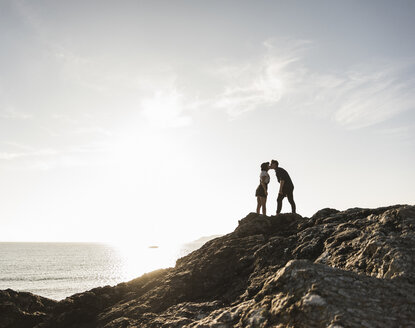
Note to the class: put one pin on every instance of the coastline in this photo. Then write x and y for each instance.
(336, 269)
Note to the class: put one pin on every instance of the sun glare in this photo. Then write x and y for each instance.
(138, 259)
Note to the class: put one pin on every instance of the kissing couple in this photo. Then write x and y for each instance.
(286, 187)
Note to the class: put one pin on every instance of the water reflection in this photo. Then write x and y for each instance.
(58, 270)
(137, 259)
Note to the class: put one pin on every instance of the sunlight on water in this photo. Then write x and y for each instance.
(137, 259)
(58, 270)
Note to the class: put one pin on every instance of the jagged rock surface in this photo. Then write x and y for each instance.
(336, 269)
(20, 309)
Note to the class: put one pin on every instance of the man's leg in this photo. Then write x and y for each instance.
(290, 197)
(279, 202)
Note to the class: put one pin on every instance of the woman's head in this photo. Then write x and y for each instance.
(265, 166)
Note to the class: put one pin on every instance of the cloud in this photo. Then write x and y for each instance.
(82, 70)
(78, 126)
(260, 83)
(254, 86)
(166, 108)
(265, 88)
(12, 114)
(357, 97)
(371, 98)
(401, 132)
(354, 97)
(155, 94)
(27, 157)
(9, 156)
(16, 155)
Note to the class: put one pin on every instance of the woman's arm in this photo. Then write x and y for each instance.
(264, 185)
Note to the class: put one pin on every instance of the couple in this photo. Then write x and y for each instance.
(286, 187)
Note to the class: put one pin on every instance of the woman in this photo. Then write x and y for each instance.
(262, 190)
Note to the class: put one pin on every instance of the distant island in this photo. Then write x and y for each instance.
(204, 239)
(353, 268)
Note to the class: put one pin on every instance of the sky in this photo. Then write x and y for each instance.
(147, 121)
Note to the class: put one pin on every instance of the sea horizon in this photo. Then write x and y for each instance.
(57, 270)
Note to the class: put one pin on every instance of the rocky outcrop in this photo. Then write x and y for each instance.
(353, 268)
(20, 309)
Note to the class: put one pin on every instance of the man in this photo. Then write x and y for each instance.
(286, 186)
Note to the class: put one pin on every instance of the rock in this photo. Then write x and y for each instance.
(318, 296)
(21, 309)
(336, 269)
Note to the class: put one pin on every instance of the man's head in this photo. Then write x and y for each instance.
(274, 164)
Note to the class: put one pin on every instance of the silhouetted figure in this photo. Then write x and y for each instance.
(286, 186)
(261, 192)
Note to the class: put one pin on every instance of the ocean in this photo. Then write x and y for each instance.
(58, 270)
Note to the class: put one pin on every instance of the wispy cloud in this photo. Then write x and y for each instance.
(26, 154)
(166, 108)
(153, 91)
(157, 96)
(260, 83)
(28, 157)
(354, 97)
(402, 132)
(357, 97)
(265, 88)
(13, 114)
(78, 125)
(371, 98)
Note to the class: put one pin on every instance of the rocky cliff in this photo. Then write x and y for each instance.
(336, 269)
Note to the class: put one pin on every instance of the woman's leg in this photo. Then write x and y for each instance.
(264, 205)
(258, 206)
